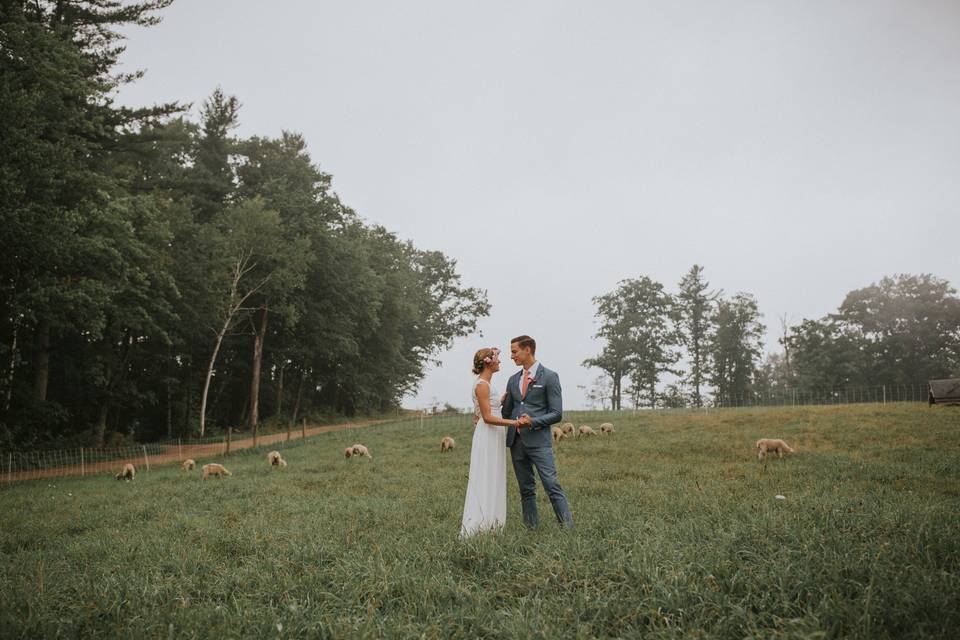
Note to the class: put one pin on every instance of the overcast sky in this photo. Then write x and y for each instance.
(797, 150)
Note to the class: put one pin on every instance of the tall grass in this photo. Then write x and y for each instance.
(678, 534)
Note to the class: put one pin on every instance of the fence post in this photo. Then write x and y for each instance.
(254, 436)
(884, 394)
(288, 432)
(303, 430)
(82, 472)
(145, 457)
(229, 438)
(10, 469)
(179, 448)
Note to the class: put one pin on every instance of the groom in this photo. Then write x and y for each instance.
(533, 397)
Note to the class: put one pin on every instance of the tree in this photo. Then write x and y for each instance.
(735, 348)
(694, 316)
(213, 177)
(654, 339)
(250, 246)
(58, 197)
(635, 323)
(908, 325)
(618, 317)
(825, 355)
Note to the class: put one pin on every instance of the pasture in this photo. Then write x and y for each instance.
(679, 534)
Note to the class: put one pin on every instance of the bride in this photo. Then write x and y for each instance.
(485, 507)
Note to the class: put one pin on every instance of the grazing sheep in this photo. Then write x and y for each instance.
(586, 431)
(189, 465)
(606, 428)
(214, 469)
(127, 473)
(765, 445)
(360, 450)
(568, 428)
(557, 433)
(447, 444)
(348, 452)
(275, 459)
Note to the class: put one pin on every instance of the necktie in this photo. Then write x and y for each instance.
(526, 381)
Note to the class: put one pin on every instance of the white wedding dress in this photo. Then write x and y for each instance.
(485, 507)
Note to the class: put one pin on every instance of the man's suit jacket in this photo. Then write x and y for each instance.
(543, 403)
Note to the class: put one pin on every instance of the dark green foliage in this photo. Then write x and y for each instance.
(736, 345)
(142, 251)
(638, 334)
(694, 308)
(904, 330)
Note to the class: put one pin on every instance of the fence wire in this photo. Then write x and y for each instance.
(83, 461)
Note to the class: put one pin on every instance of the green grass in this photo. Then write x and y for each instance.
(678, 535)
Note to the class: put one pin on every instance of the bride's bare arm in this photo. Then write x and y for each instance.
(483, 399)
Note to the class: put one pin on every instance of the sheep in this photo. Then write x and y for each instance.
(765, 445)
(447, 444)
(568, 428)
(360, 450)
(557, 433)
(586, 431)
(607, 428)
(214, 469)
(189, 465)
(274, 459)
(127, 473)
(348, 452)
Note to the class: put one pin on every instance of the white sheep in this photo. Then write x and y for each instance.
(586, 431)
(274, 459)
(189, 465)
(607, 428)
(765, 445)
(557, 434)
(360, 450)
(214, 469)
(568, 428)
(127, 473)
(447, 444)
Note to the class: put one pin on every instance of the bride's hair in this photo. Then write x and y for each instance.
(482, 358)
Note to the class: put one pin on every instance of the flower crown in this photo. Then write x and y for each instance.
(489, 359)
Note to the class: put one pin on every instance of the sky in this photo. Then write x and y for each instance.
(796, 150)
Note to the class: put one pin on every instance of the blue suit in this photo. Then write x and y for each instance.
(533, 447)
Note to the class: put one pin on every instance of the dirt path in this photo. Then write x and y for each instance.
(172, 453)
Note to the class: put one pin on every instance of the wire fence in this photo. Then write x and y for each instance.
(817, 396)
(32, 465)
(83, 461)
(784, 397)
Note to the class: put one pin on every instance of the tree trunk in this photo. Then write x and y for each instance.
(169, 411)
(697, 373)
(255, 377)
(14, 356)
(206, 382)
(188, 397)
(101, 427)
(280, 392)
(41, 361)
(296, 403)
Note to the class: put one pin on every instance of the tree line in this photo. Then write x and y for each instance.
(697, 346)
(161, 276)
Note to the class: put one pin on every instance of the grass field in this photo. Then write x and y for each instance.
(678, 535)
